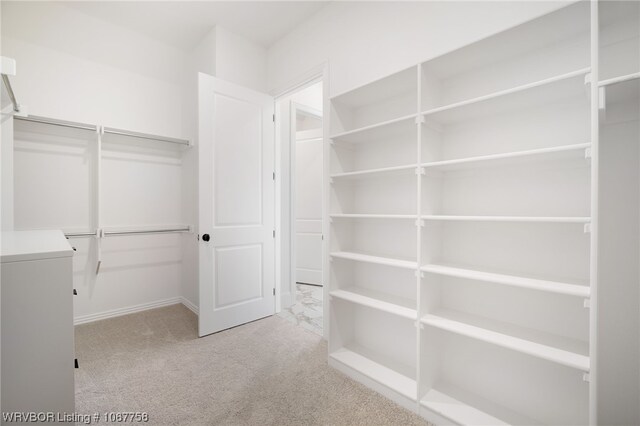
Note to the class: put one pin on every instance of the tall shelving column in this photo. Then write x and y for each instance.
(374, 235)
(506, 247)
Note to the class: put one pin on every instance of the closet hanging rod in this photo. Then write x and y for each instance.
(79, 234)
(55, 122)
(148, 231)
(12, 95)
(119, 132)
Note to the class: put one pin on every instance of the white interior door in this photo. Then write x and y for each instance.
(236, 191)
(308, 184)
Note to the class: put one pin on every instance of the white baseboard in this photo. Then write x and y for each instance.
(83, 319)
(186, 302)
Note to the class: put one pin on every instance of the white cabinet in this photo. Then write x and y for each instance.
(37, 322)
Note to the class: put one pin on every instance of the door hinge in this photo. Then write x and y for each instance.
(274, 175)
(274, 291)
(274, 233)
(274, 118)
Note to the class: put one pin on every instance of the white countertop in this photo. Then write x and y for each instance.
(16, 246)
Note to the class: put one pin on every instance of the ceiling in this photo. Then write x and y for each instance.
(184, 23)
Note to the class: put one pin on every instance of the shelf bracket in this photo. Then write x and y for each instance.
(419, 325)
(420, 119)
(602, 98)
(587, 153)
(587, 228)
(419, 274)
(585, 377)
(419, 222)
(586, 303)
(420, 171)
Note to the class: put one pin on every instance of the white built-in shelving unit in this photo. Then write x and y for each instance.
(463, 224)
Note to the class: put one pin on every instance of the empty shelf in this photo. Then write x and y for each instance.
(468, 409)
(388, 128)
(561, 350)
(510, 280)
(406, 264)
(384, 302)
(532, 219)
(396, 170)
(376, 371)
(372, 216)
(543, 91)
(557, 152)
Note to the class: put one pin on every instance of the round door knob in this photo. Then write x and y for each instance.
(206, 237)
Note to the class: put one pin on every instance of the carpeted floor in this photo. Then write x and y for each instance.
(269, 372)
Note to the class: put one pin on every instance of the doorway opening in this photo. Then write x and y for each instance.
(301, 140)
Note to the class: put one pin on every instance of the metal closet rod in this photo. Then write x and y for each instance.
(147, 231)
(12, 96)
(133, 232)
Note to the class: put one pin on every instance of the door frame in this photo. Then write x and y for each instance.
(285, 197)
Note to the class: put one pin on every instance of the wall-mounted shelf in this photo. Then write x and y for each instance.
(359, 257)
(576, 151)
(372, 216)
(549, 90)
(378, 130)
(383, 171)
(525, 219)
(569, 289)
(52, 126)
(378, 300)
(567, 352)
(138, 139)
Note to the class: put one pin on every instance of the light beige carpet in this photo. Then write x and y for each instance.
(269, 372)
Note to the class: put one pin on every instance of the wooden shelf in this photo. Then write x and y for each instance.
(408, 170)
(465, 408)
(362, 361)
(359, 257)
(387, 128)
(557, 349)
(373, 299)
(510, 280)
(575, 151)
(372, 216)
(543, 91)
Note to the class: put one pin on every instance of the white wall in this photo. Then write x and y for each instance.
(240, 61)
(364, 41)
(75, 67)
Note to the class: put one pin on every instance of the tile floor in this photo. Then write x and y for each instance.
(307, 311)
